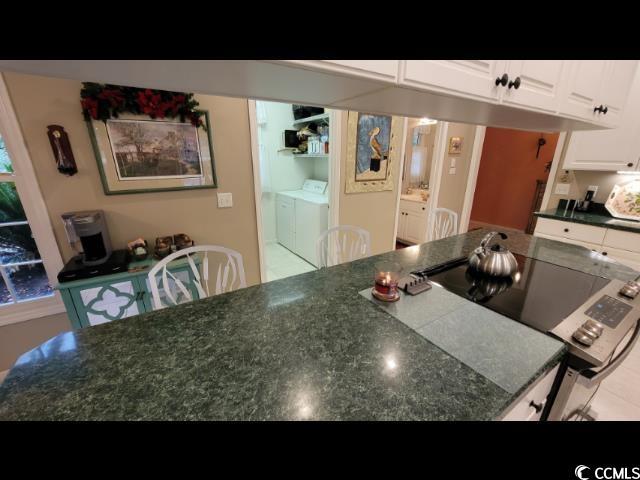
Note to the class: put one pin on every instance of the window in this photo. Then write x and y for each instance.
(22, 274)
(29, 256)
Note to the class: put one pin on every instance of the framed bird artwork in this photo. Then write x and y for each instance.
(374, 143)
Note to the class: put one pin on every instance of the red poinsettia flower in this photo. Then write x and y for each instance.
(90, 105)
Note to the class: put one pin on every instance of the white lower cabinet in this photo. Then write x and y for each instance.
(412, 221)
(530, 406)
(619, 245)
(285, 221)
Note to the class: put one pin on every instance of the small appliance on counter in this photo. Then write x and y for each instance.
(586, 204)
(97, 258)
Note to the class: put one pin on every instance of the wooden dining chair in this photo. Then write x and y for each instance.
(343, 243)
(443, 223)
(226, 264)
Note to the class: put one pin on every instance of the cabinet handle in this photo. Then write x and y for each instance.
(606, 109)
(423, 208)
(536, 406)
(515, 83)
(629, 164)
(502, 80)
(604, 253)
(599, 109)
(566, 230)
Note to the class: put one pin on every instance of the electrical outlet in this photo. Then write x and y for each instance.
(562, 188)
(225, 200)
(452, 171)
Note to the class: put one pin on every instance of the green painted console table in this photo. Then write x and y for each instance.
(92, 301)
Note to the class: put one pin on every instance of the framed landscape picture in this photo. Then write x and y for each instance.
(372, 152)
(136, 154)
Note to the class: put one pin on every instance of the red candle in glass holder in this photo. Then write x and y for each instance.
(385, 287)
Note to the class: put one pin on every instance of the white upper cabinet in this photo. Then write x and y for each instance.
(615, 87)
(584, 78)
(473, 78)
(597, 90)
(534, 84)
(614, 149)
(385, 70)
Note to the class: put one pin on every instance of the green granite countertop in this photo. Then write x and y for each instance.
(595, 219)
(305, 347)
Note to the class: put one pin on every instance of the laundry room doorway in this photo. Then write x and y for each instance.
(294, 149)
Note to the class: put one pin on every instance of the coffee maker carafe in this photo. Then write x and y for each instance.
(90, 228)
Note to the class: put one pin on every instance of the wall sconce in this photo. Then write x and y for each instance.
(62, 150)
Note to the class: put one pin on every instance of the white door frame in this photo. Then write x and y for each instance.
(472, 178)
(405, 125)
(335, 147)
(335, 136)
(435, 175)
(555, 165)
(257, 184)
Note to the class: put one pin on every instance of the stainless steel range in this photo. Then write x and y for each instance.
(594, 316)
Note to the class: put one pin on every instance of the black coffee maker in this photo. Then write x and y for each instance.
(586, 204)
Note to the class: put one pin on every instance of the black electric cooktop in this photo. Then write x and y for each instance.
(540, 295)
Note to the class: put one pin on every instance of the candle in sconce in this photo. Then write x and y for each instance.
(386, 279)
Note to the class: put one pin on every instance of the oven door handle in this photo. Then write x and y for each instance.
(609, 369)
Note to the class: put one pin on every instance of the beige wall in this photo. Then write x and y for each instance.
(41, 101)
(454, 187)
(580, 180)
(373, 211)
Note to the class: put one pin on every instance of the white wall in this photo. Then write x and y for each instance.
(280, 170)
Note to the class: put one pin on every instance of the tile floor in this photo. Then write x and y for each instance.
(282, 263)
(619, 395)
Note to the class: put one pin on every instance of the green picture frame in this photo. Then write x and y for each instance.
(150, 155)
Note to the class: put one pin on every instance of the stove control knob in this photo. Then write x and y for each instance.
(630, 289)
(595, 327)
(584, 337)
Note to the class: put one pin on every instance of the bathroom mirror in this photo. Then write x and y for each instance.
(418, 154)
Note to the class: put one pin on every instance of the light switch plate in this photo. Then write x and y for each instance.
(225, 200)
(452, 161)
(562, 188)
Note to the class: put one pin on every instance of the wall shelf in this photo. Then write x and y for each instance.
(311, 155)
(323, 117)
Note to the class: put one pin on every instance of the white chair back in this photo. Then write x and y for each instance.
(443, 223)
(229, 275)
(343, 243)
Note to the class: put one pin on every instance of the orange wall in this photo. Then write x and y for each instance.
(507, 176)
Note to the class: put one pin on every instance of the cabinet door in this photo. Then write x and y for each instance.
(402, 226)
(613, 149)
(311, 220)
(416, 227)
(539, 84)
(106, 302)
(386, 70)
(582, 89)
(473, 78)
(285, 221)
(614, 91)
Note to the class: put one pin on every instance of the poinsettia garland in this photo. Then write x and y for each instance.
(105, 101)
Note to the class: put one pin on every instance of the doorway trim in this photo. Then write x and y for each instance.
(335, 136)
(257, 184)
(437, 166)
(472, 178)
(335, 147)
(555, 164)
(403, 152)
